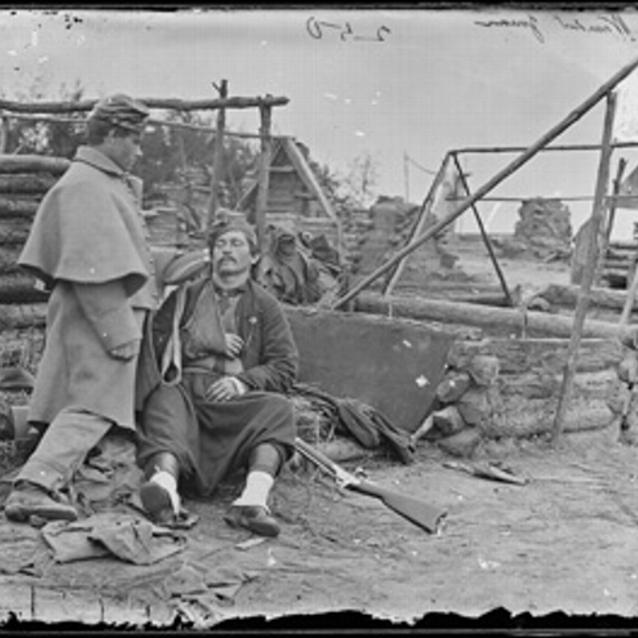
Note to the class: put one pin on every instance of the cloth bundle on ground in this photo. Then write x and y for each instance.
(367, 425)
(126, 537)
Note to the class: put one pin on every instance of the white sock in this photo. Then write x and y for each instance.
(169, 483)
(256, 490)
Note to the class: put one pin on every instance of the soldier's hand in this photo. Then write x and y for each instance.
(126, 351)
(224, 389)
(234, 344)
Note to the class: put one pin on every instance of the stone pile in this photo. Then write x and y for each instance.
(543, 231)
(467, 399)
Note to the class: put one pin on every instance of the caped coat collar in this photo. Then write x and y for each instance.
(97, 159)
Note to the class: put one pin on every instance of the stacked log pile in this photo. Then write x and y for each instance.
(24, 179)
(496, 388)
(355, 224)
(620, 263)
(604, 303)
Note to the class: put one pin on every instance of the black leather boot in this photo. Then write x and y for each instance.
(266, 458)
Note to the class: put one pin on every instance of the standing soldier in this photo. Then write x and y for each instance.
(88, 246)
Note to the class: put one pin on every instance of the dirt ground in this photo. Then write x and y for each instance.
(566, 541)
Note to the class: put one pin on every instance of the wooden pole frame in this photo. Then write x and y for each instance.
(218, 157)
(597, 219)
(531, 151)
(236, 102)
(484, 235)
(420, 222)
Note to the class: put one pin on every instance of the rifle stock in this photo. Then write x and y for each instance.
(426, 516)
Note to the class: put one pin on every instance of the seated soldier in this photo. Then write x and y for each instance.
(220, 351)
(287, 272)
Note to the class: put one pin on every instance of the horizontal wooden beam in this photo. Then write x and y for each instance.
(152, 103)
(486, 317)
(555, 147)
(529, 198)
(152, 121)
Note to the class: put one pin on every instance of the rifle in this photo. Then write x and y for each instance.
(422, 514)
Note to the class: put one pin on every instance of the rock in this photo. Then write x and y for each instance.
(474, 406)
(448, 421)
(618, 394)
(484, 369)
(628, 367)
(462, 443)
(453, 386)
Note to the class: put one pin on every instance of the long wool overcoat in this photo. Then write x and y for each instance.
(89, 229)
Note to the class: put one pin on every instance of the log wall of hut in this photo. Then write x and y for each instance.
(24, 180)
(294, 197)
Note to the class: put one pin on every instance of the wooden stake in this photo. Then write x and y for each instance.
(596, 221)
(218, 156)
(531, 151)
(264, 173)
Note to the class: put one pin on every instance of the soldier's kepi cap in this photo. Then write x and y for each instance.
(227, 220)
(122, 111)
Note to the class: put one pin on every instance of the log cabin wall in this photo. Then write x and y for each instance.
(24, 180)
(295, 199)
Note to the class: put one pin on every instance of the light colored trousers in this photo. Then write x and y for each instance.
(63, 448)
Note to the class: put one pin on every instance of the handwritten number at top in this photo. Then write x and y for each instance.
(316, 30)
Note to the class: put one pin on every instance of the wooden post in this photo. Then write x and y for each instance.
(596, 221)
(486, 239)
(622, 164)
(531, 151)
(629, 302)
(4, 133)
(406, 177)
(218, 156)
(264, 173)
